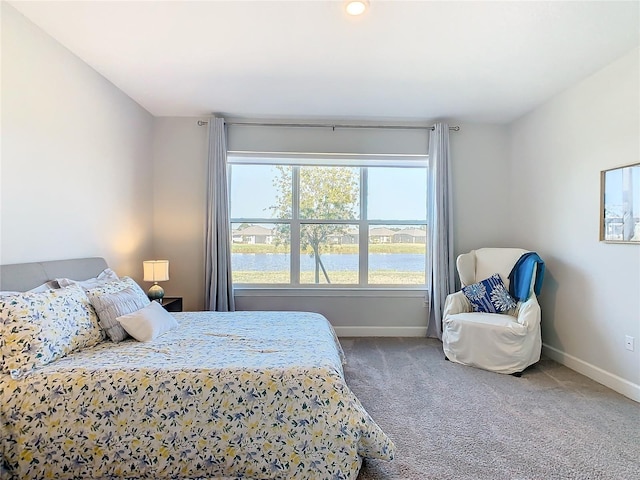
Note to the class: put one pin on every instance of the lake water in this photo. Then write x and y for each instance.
(270, 262)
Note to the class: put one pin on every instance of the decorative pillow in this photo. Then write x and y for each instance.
(110, 306)
(106, 276)
(38, 328)
(489, 296)
(118, 286)
(148, 323)
(50, 285)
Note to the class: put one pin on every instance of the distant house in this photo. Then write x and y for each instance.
(351, 237)
(235, 236)
(253, 234)
(614, 228)
(381, 235)
(410, 235)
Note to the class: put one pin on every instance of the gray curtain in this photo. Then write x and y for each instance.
(218, 286)
(440, 265)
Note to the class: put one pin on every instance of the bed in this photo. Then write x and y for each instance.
(255, 395)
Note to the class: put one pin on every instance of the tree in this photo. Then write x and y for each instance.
(325, 193)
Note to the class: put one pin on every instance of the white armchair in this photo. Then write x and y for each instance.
(501, 342)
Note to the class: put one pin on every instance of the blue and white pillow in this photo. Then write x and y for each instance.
(489, 296)
(38, 328)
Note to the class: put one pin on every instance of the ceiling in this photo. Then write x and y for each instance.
(401, 61)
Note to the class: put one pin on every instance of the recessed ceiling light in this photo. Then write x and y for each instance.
(356, 7)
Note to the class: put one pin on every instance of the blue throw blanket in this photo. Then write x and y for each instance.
(520, 276)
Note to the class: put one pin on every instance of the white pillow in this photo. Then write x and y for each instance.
(148, 322)
(106, 276)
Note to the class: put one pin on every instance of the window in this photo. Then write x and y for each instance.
(330, 221)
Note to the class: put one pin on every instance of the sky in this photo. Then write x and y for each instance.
(394, 193)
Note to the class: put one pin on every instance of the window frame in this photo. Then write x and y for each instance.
(360, 161)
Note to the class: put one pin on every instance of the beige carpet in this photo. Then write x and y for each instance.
(449, 421)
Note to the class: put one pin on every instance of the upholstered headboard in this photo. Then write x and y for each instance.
(20, 277)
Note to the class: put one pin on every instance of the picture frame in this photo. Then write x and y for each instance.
(620, 204)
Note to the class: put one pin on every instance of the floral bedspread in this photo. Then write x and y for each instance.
(253, 395)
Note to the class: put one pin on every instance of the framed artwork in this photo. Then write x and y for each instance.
(620, 204)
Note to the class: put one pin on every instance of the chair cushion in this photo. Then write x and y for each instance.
(486, 320)
(489, 296)
(495, 260)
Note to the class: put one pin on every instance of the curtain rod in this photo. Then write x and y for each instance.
(333, 126)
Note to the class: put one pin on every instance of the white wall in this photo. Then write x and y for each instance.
(327, 140)
(76, 157)
(481, 187)
(179, 174)
(591, 294)
(480, 154)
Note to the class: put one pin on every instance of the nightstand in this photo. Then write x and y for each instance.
(172, 304)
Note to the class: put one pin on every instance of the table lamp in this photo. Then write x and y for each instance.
(156, 271)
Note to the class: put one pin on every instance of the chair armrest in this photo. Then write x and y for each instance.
(454, 304)
(529, 313)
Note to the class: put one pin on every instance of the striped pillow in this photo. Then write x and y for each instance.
(110, 306)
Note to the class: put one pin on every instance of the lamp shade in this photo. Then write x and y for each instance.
(356, 7)
(156, 270)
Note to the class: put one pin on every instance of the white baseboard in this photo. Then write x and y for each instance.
(381, 331)
(620, 385)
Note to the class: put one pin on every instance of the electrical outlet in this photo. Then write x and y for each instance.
(629, 342)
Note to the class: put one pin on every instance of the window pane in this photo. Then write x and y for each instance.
(260, 191)
(260, 253)
(328, 254)
(261, 196)
(397, 193)
(329, 193)
(397, 254)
